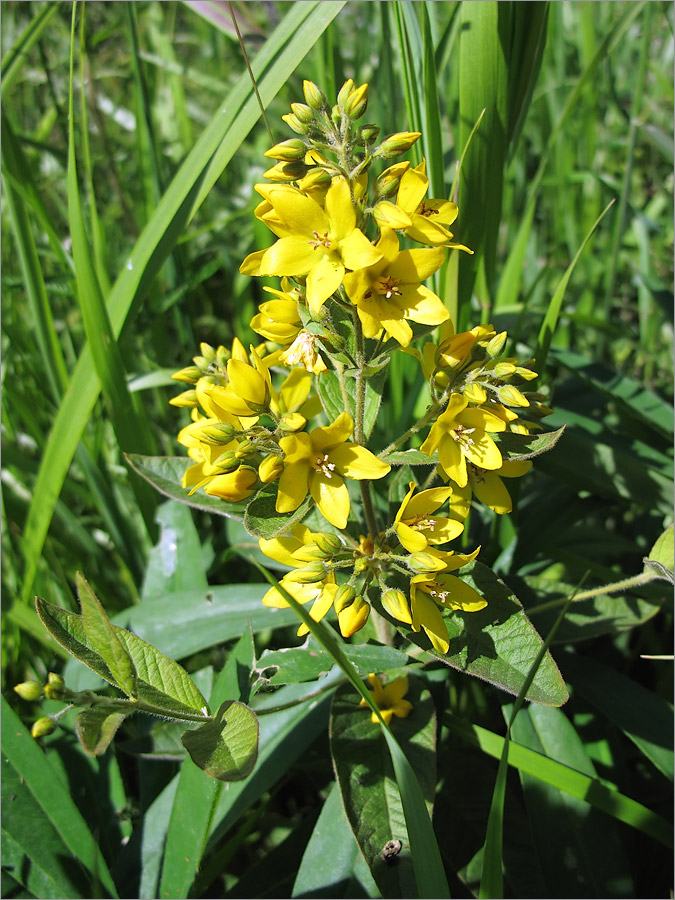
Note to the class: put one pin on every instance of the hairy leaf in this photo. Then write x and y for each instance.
(227, 747)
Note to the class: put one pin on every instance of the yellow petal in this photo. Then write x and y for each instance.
(356, 462)
(357, 251)
(452, 460)
(482, 452)
(293, 486)
(490, 490)
(324, 278)
(427, 615)
(332, 498)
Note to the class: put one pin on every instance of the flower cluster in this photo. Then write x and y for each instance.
(352, 294)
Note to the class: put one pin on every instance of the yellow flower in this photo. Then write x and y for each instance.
(318, 462)
(460, 434)
(427, 219)
(415, 524)
(489, 487)
(233, 486)
(279, 319)
(320, 594)
(319, 242)
(389, 291)
(303, 351)
(389, 699)
(432, 590)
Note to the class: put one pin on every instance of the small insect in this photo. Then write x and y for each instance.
(391, 850)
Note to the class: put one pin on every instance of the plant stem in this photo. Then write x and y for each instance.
(384, 630)
(359, 425)
(420, 423)
(624, 585)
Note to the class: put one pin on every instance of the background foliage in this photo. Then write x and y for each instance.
(578, 100)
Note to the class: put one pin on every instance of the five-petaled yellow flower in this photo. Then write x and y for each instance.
(416, 524)
(318, 462)
(389, 699)
(460, 434)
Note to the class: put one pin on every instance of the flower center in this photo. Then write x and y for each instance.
(324, 465)
(419, 523)
(461, 435)
(437, 593)
(387, 286)
(320, 240)
(426, 211)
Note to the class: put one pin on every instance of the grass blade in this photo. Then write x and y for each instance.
(11, 63)
(227, 129)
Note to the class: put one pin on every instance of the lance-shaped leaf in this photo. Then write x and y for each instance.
(498, 643)
(166, 474)
(333, 400)
(226, 748)
(96, 727)
(101, 636)
(262, 518)
(160, 682)
(525, 446)
(294, 665)
(410, 458)
(366, 780)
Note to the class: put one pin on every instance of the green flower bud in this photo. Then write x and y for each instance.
(216, 433)
(388, 182)
(294, 170)
(55, 687)
(344, 92)
(43, 726)
(345, 597)
(353, 617)
(227, 462)
(287, 151)
(29, 690)
(369, 133)
(244, 449)
(511, 396)
(329, 543)
(315, 178)
(357, 102)
(503, 369)
(397, 143)
(207, 352)
(303, 113)
(423, 562)
(314, 96)
(295, 123)
(309, 574)
(336, 115)
(270, 468)
(190, 375)
(538, 410)
(496, 344)
(396, 604)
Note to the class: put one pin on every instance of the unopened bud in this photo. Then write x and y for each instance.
(503, 369)
(357, 102)
(270, 468)
(226, 463)
(456, 350)
(526, 374)
(474, 393)
(511, 396)
(216, 433)
(344, 92)
(397, 143)
(388, 182)
(29, 690)
(396, 604)
(425, 562)
(190, 375)
(329, 543)
(279, 173)
(186, 399)
(55, 687)
(207, 351)
(314, 96)
(309, 574)
(353, 617)
(303, 113)
(369, 133)
(538, 410)
(287, 151)
(496, 344)
(292, 422)
(244, 449)
(43, 726)
(315, 179)
(295, 123)
(344, 597)
(336, 115)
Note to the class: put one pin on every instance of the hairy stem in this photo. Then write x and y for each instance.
(359, 425)
(615, 587)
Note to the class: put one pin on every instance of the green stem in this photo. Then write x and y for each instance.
(340, 374)
(430, 414)
(359, 425)
(624, 585)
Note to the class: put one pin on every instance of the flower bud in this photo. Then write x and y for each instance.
(357, 102)
(190, 375)
(388, 182)
(344, 92)
(270, 468)
(328, 543)
(389, 215)
(538, 410)
(55, 687)
(29, 690)
(227, 462)
(216, 433)
(295, 123)
(309, 574)
(303, 113)
(456, 350)
(369, 133)
(43, 726)
(292, 422)
(503, 369)
(511, 396)
(244, 449)
(396, 604)
(314, 96)
(397, 143)
(496, 344)
(207, 352)
(287, 151)
(526, 374)
(233, 486)
(344, 597)
(336, 115)
(353, 617)
(315, 179)
(186, 399)
(425, 562)
(474, 393)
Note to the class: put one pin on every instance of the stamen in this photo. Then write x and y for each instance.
(387, 286)
(324, 465)
(320, 241)
(426, 211)
(461, 435)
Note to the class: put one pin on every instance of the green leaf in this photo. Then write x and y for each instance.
(175, 563)
(96, 727)
(100, 635)
(365, 776)
(334, 404)
(161, 682)
(498, 643)
(526, 446)
(410, 458)
(661, 557)
(581, 853)
(642, 715)
(166, 472)
(294, 665)
(227, 747)
(53, 798)
(332, 864)
(262, 519)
